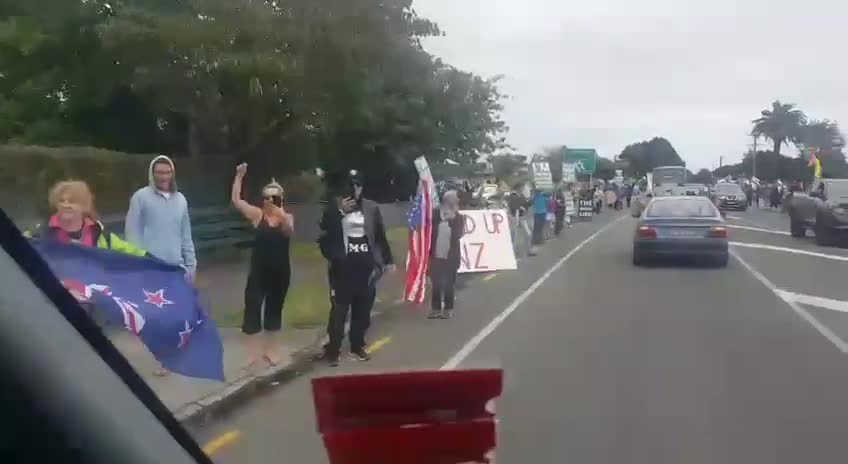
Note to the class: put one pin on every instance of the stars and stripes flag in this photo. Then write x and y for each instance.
(420, 220)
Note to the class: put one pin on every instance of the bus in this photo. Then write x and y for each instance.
(668, 179)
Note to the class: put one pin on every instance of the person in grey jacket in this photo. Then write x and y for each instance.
(353, 241)
(158, 219)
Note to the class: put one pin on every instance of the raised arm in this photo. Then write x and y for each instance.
(250, 212)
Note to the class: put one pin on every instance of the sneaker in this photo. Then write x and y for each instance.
(434, 314)
(331, 359)
(447, 314)
(359, 355)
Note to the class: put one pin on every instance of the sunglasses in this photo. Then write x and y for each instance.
(272, 197)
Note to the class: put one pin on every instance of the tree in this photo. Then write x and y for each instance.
(606, 169)
(703, 176)
(507, 166)
(781, 124)
(826, 137)
(285, 85)
(643, 157)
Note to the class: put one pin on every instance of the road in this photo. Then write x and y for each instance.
(607, 363)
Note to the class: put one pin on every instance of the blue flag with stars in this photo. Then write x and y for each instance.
(150, 298)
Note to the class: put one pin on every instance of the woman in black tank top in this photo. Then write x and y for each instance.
(270, 270)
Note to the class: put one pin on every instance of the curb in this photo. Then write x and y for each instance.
(250, 386)
(245, 388)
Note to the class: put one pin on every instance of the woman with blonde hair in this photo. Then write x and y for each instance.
(74, 220)
(270, 271)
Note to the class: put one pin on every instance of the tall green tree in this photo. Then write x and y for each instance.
(642, 157)
(781, 124)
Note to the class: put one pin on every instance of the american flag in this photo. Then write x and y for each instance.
(420, 220)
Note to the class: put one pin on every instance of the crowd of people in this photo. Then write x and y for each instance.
(352, 240)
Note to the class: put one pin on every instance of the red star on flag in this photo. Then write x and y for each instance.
(185, 335)
(156, 298)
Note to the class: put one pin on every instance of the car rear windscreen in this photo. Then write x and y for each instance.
(682, 209)
(729, 189)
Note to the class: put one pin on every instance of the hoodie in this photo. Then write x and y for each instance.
(159, 222)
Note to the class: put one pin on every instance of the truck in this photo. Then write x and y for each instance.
(823, 208)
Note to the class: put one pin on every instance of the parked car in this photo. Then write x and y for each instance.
(823, 209)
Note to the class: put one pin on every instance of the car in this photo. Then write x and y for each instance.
(823, 208)
(681, 226)
(729, 196)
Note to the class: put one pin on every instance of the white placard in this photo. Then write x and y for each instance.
(423, 168)
(568, 173)
(542, 177)
(487, 243)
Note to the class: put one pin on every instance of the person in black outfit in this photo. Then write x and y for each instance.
(448, 228)
(353, 240)
(270, 270)
(559, 211)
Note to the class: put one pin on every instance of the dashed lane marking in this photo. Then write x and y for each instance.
(817, 301)
(378, 344)
(761, 246)
(221, 441)
(840, 344)
(757, 229)
(475, 341)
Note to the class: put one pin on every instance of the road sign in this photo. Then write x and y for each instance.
(585, 160)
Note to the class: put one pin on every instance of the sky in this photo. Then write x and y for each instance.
(606, 73)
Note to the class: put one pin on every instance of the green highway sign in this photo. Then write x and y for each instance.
(585, 160)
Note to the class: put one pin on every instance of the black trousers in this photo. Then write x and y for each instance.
(270, 287)
(540, 221)
(443, 276)
(358, 300)
(560, 220)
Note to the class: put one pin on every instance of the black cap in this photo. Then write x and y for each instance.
(341, 181)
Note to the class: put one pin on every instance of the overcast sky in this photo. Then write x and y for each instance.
(606, 73)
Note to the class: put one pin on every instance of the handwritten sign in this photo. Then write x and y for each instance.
(569, 174)
(542, 177)
(487, 244)
(585, 210)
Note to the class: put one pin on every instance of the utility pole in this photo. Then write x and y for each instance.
(720, 161)
(754, 159)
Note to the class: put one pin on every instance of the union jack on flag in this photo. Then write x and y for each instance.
(420, 220)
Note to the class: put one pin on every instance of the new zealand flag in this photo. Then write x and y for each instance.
(148, 297)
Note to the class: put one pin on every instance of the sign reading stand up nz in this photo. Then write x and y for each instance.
(487, 244)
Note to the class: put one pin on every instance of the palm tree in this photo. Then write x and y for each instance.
(781, 124)
(824, 135)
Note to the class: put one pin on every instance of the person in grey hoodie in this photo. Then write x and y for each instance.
(158, 220)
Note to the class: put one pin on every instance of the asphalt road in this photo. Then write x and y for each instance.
(607, 363)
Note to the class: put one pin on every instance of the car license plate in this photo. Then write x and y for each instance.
(684, 232)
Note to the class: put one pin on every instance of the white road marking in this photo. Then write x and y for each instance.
(789, 250)
(733, 217)
(475, 341)
(757, 229)
(841, 344)
(817, 301)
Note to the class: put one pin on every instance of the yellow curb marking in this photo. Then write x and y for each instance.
(377, 345)
(223, 440)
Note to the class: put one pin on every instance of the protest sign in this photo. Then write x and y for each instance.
(487, 243)
(585, 210)
(541, 172)
(569, 173)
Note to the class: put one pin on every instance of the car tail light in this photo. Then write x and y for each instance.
(647, 232)
(718, 232)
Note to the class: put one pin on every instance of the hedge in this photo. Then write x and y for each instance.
(28, 172)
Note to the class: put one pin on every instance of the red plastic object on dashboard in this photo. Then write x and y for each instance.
(427, 417)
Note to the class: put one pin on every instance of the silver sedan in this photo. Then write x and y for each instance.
(683, 226)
